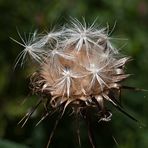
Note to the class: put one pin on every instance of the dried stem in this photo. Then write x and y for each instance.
(78, 129)
(53, 131)
(90, 131)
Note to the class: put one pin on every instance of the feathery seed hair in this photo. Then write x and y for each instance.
(77, 68)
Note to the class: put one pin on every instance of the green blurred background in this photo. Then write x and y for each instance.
(28, 15)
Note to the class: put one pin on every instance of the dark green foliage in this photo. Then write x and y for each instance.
(132, 23)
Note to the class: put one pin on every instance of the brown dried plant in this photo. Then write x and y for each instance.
(78, 68)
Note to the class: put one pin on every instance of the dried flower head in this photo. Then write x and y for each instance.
(78, 68)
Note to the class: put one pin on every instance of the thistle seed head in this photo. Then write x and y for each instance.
(77, 67)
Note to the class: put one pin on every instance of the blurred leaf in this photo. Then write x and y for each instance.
(9, 144)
